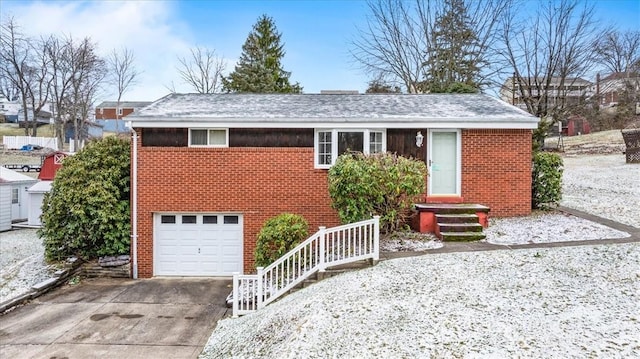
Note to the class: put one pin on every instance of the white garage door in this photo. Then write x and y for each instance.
(197, 244)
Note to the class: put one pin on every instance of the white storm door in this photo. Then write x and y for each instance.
(444, 162)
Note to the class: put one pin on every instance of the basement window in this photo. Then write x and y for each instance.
(331, 143)
(208, 138)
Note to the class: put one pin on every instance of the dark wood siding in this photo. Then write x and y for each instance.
(270, 137)
(165, 137)
(403, 142)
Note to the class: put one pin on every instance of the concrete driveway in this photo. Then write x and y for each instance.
(117, 318)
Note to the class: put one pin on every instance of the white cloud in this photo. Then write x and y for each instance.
(149, 28)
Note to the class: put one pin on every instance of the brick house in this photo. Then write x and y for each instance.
(108, 113)
(209, 170)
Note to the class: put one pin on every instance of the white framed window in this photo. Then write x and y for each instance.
(101, 110)
(15, 195)
(331, 143)
(204, 137)
(119, 111)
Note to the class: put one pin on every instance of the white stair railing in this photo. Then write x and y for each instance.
(327, 247)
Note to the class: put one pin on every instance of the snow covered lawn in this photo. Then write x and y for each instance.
(603, 185)
(557, 302)
(561, 302)
(542, 227)
(21, 262)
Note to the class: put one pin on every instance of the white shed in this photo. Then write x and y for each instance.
(16, 202)
(5, 210)
(36, 197)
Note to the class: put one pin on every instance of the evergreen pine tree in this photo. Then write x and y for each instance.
(259, 69)
(454, 59)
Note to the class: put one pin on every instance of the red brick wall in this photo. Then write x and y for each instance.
(496, 170)
(259, 183)
(110, 113)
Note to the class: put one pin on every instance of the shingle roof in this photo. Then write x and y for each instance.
(307, 109)
(124, 104)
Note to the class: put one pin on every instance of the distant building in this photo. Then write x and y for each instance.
(9, 109)
(108, 112)
(609, 88)
(564, 93)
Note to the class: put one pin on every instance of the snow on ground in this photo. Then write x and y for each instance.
(603, 185)
(568, 302)
(544, 227)
(410, 242)
(563, 302)
(21, 262)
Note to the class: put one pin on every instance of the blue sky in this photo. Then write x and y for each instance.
(317, 34)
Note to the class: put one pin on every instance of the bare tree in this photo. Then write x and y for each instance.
(203, 70)
(61, 54)
(7, 88)
(398, 41)
(90, 70)
(38, 80)
(15, 55)
(393, 43)
(619, 51)
(548, 53)
(74, 68)
(380, 85)
(122, 71)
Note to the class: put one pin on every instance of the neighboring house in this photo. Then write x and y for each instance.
(43, 117)
(209, 170)
(16, 185)
(569, 92)
(108, 112)
(9, 109)
(609, 88)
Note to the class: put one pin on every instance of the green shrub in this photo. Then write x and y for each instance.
(86, 213)
(546, 185)
(278, 236)
(383, 184)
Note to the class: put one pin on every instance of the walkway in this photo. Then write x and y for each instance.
(451, 247)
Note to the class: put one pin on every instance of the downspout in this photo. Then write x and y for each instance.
(134, 200)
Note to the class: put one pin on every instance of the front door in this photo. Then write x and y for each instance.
(444, 162)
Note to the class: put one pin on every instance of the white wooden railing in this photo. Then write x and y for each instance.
(327, 247)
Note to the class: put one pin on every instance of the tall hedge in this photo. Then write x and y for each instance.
(382, 184)
(86, 213)
(546, 185)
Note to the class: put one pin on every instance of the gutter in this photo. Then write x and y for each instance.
(134, 202)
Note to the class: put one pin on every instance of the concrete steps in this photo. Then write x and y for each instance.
(458, 222)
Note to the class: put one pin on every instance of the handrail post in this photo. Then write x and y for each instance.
(259, 290)
(376, 238)
(235, 294)
(322, 237)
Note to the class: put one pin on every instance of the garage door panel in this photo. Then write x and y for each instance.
(198, 244)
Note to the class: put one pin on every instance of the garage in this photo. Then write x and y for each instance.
(197, 244)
